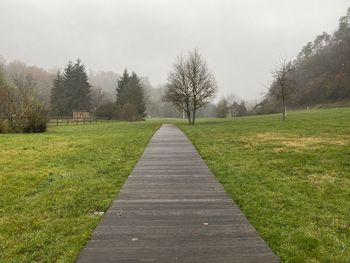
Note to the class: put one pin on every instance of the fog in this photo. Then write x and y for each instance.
(241, 40)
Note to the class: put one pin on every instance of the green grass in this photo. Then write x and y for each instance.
(54, 185)
(291, 179)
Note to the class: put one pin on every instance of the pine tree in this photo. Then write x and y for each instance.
(79, 88)
(121, 98)
(57, 96)
(130, 91)
(71, 90)
(136, 94)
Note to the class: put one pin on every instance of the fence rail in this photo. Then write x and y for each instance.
(69, 120)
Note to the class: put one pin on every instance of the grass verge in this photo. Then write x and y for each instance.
(54, 186)
(291, 179)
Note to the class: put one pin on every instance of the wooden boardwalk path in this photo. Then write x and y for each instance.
(171, 209)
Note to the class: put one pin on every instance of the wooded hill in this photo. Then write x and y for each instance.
(320, 73)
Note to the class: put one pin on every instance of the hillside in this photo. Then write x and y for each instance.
(320, 73)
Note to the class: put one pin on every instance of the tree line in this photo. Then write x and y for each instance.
(320, 74)
(29, 95)
(72, 91)
(232, 106)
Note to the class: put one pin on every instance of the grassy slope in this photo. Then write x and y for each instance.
(52, 185)
(291, 179)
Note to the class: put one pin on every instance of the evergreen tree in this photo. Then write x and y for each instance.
(57, 96)
(79, 88)
(71, 90)
(136, 94)
(130, 91)
(121, 98)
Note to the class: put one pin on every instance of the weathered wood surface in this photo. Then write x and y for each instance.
(171, 209)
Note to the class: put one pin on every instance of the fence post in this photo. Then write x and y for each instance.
(67, 121)
(84, 120)
(56, 121)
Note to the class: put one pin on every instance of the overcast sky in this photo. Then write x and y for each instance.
(240, 39)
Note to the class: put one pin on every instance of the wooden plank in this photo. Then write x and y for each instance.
(171, 209)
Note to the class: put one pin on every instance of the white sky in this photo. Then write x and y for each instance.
(241, 39)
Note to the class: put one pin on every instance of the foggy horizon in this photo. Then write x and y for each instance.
(241, 40)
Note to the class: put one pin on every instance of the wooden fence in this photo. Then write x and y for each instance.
(69, 120)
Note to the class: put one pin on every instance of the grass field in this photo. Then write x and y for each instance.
(54, 186)
(291, 179)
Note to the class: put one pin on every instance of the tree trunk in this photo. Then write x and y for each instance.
(283, 103)
(193, 116)
(188, 112)
(189, 116)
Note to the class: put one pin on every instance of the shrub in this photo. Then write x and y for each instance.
(35, 118)
(25, 117)
(20, 107)
(129, 113)
(106, 110)
(3, 128)
(14, 124)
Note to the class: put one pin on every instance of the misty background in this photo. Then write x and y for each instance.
(241, 40)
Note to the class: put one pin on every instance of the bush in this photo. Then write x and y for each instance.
(108, 109)
(129, 113)
(13, 124)
(35, 118)
(21, 110)
(3, 128)
(27, 119)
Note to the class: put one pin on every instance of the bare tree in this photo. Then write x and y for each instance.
(26, 87)
(22, 109)
(98, 98)
(4, 96)
(20, 74)
(191, 85)
(283, 85)
(222, 108)
(232, 102)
